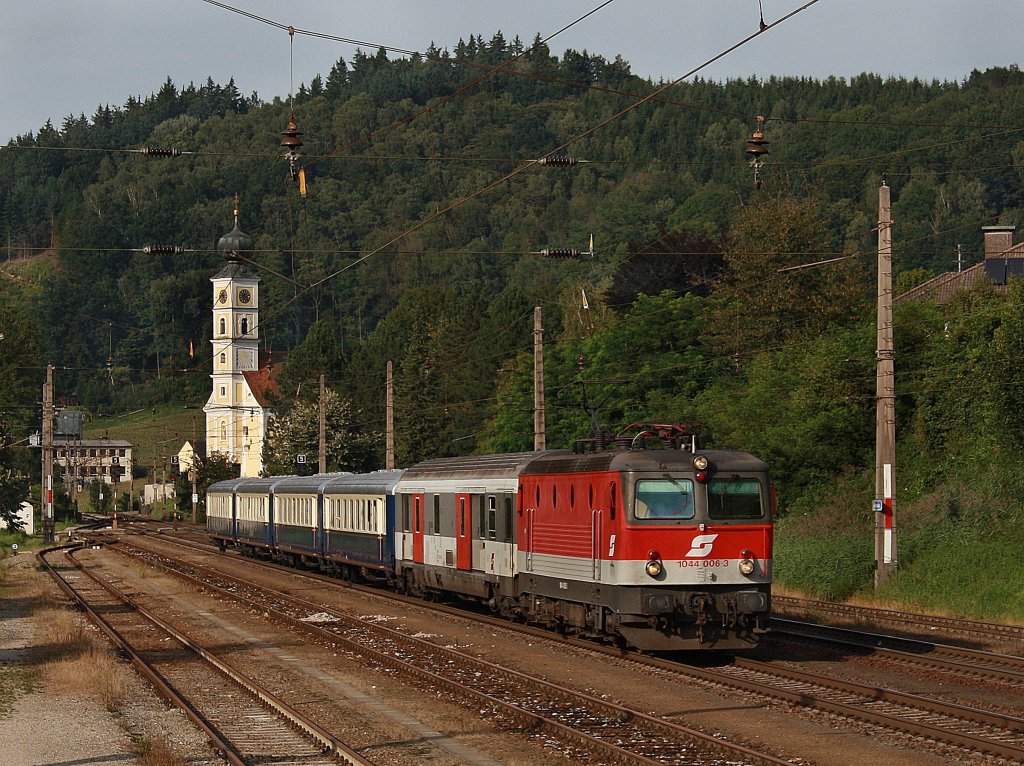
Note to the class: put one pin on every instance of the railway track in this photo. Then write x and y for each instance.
(926, 719)
(962, 661)
(587, 724)
(244, 721)
(911, 621)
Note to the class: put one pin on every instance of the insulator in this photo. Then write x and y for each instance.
(757, 146)
(161, 151)
(560, 252)
(163, 249)
(291, 140)
(561, 160)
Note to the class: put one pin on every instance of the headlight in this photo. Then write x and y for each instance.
(700, 463)
(654, 568)
(747, 567)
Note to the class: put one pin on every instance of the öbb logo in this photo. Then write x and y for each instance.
(700, 546)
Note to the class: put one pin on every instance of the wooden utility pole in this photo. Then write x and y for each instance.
(47, 445)
(539, 435)
(885, 407)
(322, 465)
(389, 419)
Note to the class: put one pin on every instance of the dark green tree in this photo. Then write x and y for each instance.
(13, 484)
(350, 445)
(763, 308)
(422, 429)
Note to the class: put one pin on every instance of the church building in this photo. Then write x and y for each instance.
(237, 412)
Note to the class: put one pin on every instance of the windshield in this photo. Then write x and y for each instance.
(663, 499)
(734, 498)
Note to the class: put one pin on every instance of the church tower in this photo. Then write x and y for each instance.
(236, 413)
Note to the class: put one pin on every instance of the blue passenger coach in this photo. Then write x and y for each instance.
(342, 522)
(359, 521)
(297, 515)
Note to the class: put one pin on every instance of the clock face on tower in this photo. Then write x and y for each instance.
(222, 296)
(244, 296)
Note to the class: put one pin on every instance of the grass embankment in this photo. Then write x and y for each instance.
(957, 547)
(155, 433)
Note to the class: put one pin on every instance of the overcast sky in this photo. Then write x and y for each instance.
(61, 57)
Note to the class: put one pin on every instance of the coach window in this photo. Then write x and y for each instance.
(406, 527)
(481, 516)
(492, 517)
(462, 517)
(437, 515)
(508, 518)
(416, 514)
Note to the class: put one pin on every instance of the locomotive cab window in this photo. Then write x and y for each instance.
(735, 498)
(663, 499)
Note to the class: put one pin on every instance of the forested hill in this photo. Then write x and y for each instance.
(665, 190)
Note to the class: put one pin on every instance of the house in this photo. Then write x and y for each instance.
(84, 460)
(190, 450)
(1003, 261)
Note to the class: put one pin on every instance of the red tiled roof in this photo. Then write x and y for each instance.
(264, 380)
(942, 288)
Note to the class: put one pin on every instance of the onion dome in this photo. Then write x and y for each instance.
(236, 244)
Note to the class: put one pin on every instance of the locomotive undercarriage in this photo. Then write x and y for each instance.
(649, 619)
(653, 619)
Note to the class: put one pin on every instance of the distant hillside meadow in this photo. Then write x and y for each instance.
(420, 240)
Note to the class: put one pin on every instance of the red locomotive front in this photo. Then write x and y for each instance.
(665, 548)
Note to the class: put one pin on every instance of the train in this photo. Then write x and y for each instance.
(644, 541)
